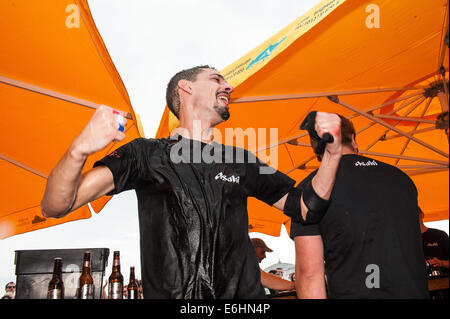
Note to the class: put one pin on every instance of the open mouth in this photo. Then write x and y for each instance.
(224, 97)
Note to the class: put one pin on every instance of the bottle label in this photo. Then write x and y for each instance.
(115, 290)
(132, 294)
(87, 291)
(54, 294)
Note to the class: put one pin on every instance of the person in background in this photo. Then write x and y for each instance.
(435, 250)
(10, 290)
(435, 246)
(271, 281)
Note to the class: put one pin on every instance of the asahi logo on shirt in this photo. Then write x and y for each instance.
(225, 178)
(368, 163)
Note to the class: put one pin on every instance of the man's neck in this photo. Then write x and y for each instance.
(347, 150)
(196, 130)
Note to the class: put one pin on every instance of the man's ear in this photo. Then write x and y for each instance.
(355, 146)
(185, 85)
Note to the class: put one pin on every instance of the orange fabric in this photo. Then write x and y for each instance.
(40, 49)
(340, 53)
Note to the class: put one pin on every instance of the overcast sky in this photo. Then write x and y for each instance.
(149, 41)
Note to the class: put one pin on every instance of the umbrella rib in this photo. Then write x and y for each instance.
(381, 137)
(428, 129)
(51, 93)
(318, 94)
(300, 165)
(402, 118)
(23, 166)
(289, 139)
(415, 128)
(393, 128)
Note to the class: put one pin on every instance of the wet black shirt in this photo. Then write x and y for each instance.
(371, 227)
(193, 215)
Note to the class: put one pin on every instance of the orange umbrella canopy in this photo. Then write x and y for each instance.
(54, 72)
(382, 64)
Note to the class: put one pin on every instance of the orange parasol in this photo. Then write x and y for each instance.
(383, 64)
(54, 71)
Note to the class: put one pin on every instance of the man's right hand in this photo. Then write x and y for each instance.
(102, 129)
(66, 189)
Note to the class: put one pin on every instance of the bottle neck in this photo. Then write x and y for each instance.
(116, 264)
(57, 269)
(86, 267)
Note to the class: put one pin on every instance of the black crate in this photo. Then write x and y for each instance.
(34, 270)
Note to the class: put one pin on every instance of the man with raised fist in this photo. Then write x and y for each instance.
(192, 213)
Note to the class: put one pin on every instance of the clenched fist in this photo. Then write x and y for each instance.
(102, 129)
(329, 123)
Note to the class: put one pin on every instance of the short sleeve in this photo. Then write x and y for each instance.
(123, 163)
(264, 182)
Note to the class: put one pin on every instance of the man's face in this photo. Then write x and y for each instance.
(211, 94)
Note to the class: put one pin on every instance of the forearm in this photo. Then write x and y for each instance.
(276, 283)
(323, 181)
(310, 286)
(62, 184)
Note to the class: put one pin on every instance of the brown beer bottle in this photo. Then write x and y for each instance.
(132, 286)
(56, 285)
(86, 281)
(115, 290)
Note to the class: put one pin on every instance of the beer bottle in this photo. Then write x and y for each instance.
(132, 286)
(115, 290)
(56, 285)
(86, 281)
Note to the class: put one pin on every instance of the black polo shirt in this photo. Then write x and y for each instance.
(371, 226)
(193, 215)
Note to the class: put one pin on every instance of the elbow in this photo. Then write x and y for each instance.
(48, 212)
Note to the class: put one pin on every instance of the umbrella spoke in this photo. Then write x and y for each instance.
(381, 137)
(393, 128)
(415, 128)
(23, 166)
(54, 94)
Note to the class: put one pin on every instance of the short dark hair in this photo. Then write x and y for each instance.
(347, 131)
(172, 96)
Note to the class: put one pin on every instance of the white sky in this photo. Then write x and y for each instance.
(149, 41)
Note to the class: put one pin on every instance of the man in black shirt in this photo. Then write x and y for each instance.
(435, 246)
(368, 244)
(192, 192)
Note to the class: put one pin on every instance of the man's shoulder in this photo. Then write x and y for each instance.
(357, 160)
(433, 232)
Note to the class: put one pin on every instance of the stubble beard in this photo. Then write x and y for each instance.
(223, 112)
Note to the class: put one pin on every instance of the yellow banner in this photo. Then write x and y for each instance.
(256, 59)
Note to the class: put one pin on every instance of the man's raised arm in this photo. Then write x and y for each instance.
(66, 188)
(315, 195)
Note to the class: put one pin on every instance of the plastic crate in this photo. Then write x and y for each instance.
(34, 269)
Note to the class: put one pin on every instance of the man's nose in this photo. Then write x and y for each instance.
(228, 88)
